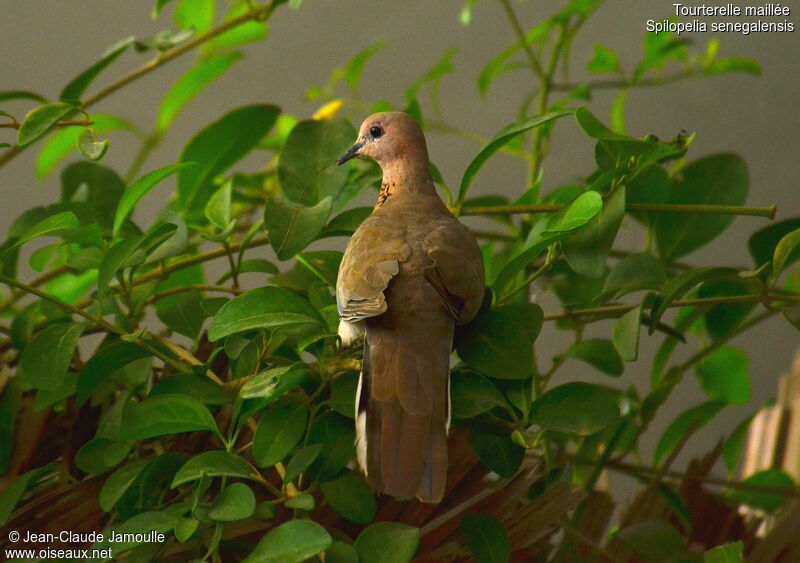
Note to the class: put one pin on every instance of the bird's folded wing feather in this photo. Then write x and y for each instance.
(457, 270)
(371, 260)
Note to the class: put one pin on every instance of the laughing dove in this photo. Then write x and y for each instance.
(410, 273)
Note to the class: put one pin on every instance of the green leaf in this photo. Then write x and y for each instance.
(274, 382)
(576, 408)
(500, 139)
(734, 64)
(194, 14)
(90, 147)
(216, 463)
(293, 226)
(652, 539)
(118, 483)
(54, 225)
(353, 70)
(687, 423)
(485, 537)
(235, 502)
(434, 76)
(78, 85)
(166, 414)
(141, 524)
(723, 375)
(763, 242)
(497, 452)
(198, 386)
(139, 189)
(62, 142)
(9, 95)
(93, 191)
(10, 497)
(577, 213)
(247, 32)
(185, 316)
(626, 334)
(678, 286)
(472, 394)
(768, 478)
(387, 542)
(264, 307)
(301, 461)
(194, 81)
(216, 148)
(715, 180)
(341, 552)
(586, 249)
(185, 529)
(124, 254)
(734, 446)
(597, 352)
(787, 250)
(100, 455)
(499, 342)
(343, 394)
(349, 495)
(728, 553)
(157, 7)
(498, 65)
(633, 273)
(39, 121)
(218, 208)
(104, 363)
(291, 542)
(594, 128)
(278, 432)
(303, 501)
(603, 60)
(336, 435)
(46, 359)
(306, 167)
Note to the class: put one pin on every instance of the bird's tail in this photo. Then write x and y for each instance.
(402, 413)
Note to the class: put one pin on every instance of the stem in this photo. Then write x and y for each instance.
(617, 310)
(102, 323)
(544, 99)
(523, 42)
(232, 263)
(552, 254)
(663, 207)
(261, 14)
(16, 124)
(184, 356)
(620, 84)
(187, 288)
(639, 470)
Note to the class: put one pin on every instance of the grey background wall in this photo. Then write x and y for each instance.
(43, 44)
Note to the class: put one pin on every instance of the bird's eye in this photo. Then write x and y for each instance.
(375, 131)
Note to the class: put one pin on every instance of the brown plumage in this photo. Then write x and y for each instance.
(410, 273)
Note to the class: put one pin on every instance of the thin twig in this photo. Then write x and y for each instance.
(523, 41)
(16, 124)
(617, 310)
(261, 14)
(658, 207)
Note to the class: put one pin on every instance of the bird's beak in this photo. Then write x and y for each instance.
(351, 153)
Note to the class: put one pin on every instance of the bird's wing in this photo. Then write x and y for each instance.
(372, 258)
(457, 270)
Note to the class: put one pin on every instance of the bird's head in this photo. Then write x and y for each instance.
(389, 138)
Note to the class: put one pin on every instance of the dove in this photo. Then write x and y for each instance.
(411, 272)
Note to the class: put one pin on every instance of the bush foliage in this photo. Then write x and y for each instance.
(143, 391)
